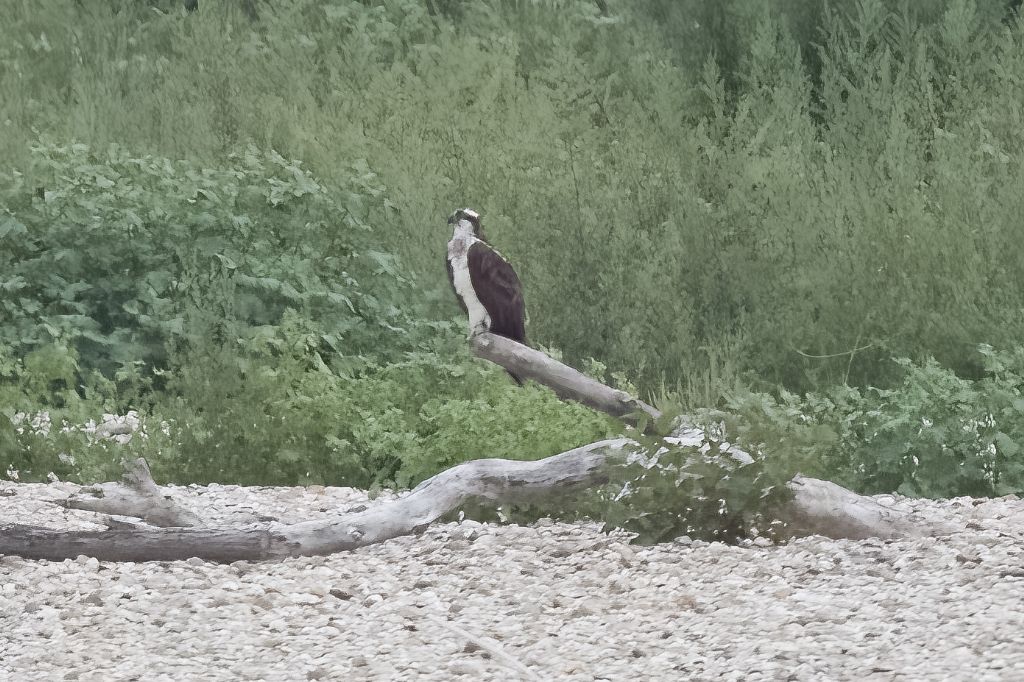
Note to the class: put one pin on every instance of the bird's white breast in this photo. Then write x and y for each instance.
(458, 256)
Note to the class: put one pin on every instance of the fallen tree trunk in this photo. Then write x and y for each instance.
(487, 479)
(816, 507)
(824, 508)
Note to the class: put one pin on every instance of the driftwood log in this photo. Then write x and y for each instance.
(565, 381)
(167, 533)
(137, 498)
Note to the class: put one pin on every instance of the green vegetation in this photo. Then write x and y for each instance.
(248, 309)
(233, 222)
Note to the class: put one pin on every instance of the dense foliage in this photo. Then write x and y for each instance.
(934, 434)
(250, 311)
(750, 208)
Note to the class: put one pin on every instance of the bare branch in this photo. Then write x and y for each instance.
(565, 381)
(139, 497)
(488, 645)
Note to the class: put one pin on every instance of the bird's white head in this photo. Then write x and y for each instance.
(466, 221)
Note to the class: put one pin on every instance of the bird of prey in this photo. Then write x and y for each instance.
(487, 287)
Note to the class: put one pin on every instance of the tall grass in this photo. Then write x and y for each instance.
(668, 177)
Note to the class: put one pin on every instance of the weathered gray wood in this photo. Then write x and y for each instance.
(495, 480)
(143, 544)
(824, 508)
(565, 381)
(139, 497)
(818, 507)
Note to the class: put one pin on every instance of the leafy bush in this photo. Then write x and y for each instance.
(274, 411)
(251, 310)
(704, 492)
(120, 256)
(933, 435)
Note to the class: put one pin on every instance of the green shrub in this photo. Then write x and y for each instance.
(934, 434)
(274, 411)
(253, 310)
(120, 256)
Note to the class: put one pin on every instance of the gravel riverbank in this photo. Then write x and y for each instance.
(552, 602)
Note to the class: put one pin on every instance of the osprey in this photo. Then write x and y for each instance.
(485, 284)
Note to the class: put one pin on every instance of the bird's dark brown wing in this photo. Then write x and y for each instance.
(499, 290)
